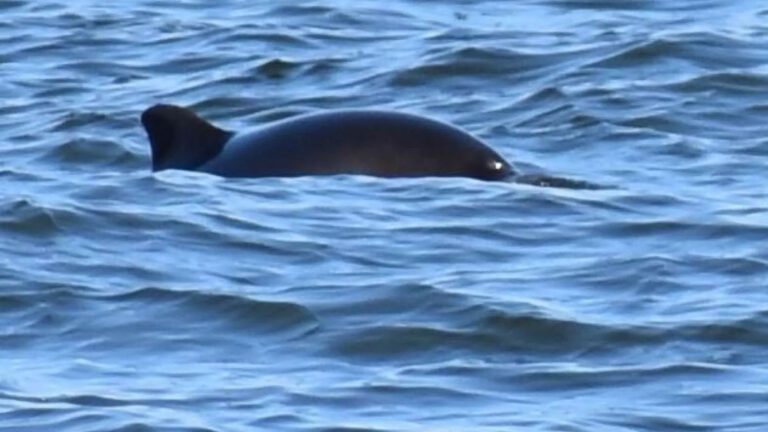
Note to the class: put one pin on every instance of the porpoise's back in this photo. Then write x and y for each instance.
(379, 143)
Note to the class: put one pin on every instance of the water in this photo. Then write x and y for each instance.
(186, 302)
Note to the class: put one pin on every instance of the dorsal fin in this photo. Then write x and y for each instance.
(180, 139)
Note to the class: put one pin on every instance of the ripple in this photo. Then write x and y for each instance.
(751, 330)
(246, 314)
(574, 377)
(94, 153)
(281, 68)
(10, 4)
(744, 84)
(472, 61)
(23, 216)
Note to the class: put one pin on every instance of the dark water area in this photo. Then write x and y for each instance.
(178, 301)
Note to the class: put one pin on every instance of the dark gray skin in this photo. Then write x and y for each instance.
(376, 143)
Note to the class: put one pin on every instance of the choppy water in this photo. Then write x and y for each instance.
(185, 302)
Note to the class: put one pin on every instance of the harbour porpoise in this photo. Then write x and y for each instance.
(365, 142)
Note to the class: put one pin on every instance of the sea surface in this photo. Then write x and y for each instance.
(135, 301)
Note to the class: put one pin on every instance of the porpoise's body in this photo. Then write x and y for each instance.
(376, 143)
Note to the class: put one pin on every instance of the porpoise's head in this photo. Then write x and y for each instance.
(180, 139)
(493, 167)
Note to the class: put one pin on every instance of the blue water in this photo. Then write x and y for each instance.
(177, 301)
